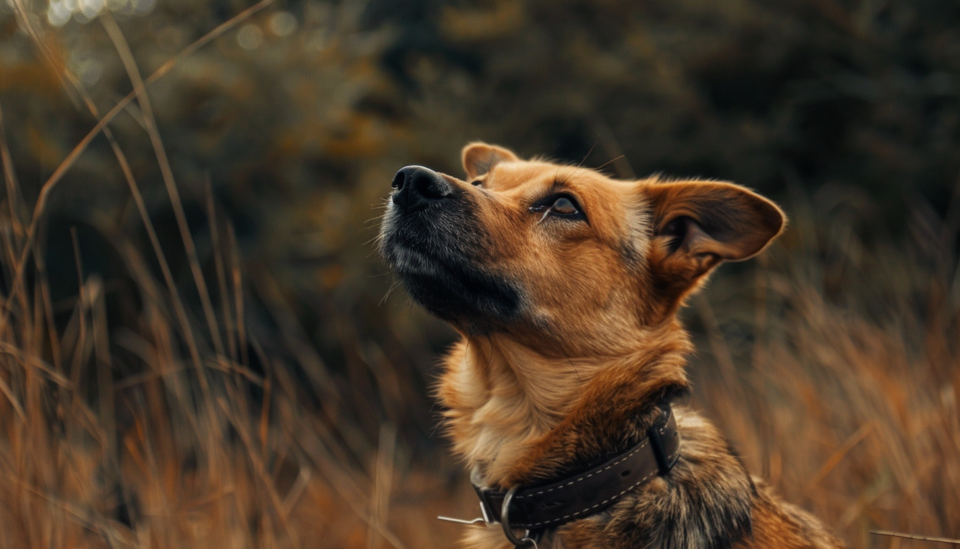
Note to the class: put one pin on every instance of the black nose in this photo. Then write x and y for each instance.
(417, 187)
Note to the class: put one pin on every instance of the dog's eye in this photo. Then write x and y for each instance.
(476, 182)
(563, 206)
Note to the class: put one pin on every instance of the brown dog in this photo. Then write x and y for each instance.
(565, 285)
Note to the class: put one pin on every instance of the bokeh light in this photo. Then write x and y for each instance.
(59, 12)
(283, 23)
(250, 37)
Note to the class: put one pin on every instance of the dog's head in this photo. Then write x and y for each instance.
(563, 259)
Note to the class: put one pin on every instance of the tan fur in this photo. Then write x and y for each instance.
(572, 376)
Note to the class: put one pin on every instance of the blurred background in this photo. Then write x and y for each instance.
(198, 346)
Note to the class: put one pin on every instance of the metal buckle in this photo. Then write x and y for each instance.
(664, 464)
(526, 540)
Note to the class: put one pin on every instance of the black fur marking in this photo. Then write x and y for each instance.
(629, 253)
(438, 254)
(464, 296)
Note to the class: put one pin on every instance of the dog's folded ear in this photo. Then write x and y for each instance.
(698, 224)
(479, 158)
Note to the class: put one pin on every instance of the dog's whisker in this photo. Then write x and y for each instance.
(389, 291)
(611, 161)
(584, 159)
(375, 239)
(572, 365)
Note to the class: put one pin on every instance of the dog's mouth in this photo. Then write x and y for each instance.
(455, 291)
(436, 249)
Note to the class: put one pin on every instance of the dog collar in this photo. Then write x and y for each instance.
(540, 507)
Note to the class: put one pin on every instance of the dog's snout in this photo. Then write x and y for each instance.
(417, 187)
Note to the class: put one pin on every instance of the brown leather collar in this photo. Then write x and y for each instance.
(540, 507)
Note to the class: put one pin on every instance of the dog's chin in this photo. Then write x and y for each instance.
(452, 289)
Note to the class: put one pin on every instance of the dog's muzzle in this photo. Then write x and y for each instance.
(433, 239)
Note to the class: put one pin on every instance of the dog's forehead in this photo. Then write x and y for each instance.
(535, 175)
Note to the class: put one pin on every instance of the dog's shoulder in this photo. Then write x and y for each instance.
(780, 524)
(709, 500)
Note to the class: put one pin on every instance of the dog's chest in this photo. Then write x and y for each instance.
(499, 435)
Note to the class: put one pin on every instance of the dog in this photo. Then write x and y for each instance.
(564, 285)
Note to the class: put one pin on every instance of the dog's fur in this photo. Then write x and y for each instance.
(570, 339)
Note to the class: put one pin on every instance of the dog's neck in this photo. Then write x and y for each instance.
(502, 397)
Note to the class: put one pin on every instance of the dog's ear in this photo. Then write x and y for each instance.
(698, 224)
(479, 158)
